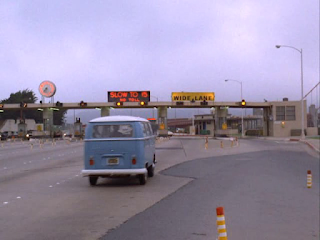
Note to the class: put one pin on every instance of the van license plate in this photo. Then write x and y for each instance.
(113, 161)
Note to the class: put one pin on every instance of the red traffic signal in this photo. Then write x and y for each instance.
(24, 105)
(83, 104)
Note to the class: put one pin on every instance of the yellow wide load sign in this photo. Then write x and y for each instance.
(192, 96)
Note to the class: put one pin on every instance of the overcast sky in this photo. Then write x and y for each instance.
(88, 48)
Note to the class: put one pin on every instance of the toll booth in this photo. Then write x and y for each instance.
(22, 128)
(78, 128)
(162, 121)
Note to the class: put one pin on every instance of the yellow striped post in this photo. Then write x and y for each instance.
(309, 179)
(221, 224)
(206, 143)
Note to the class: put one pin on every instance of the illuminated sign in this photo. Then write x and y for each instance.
(130, 96)
(192, 96)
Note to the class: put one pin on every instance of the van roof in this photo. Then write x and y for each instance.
(119, 119)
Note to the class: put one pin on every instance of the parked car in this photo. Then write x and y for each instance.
(118, 146)
(3, 136)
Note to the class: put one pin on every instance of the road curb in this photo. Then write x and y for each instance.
(310, 145)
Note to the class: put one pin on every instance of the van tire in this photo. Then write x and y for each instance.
(151, 170)
(93, 180)
(143, 179)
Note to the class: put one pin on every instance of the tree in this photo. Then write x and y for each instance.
(28, 96)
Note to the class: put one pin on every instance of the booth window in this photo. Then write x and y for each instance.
(285, 113)
(290, 113)
(280, 113)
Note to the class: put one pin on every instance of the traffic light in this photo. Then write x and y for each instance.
(204, 102)
(119, 103)
(24, 105)
(142, 103)
(243, 103)
(1, 105)
(83, 104)
(59, 104)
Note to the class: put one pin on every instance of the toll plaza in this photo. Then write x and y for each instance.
(280, 118)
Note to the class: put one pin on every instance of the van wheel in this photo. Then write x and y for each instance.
(143, 179)
(93, 180)
(151, 170)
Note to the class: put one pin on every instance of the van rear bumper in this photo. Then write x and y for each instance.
(113, 172)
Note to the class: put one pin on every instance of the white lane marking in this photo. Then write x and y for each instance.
(57, 183)
(5, 203)
(287, 142)
(50, 186)
(18, 197)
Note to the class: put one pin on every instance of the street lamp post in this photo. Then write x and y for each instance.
(242, 126)
(302, 108)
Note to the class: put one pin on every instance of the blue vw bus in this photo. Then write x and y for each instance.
(118, 146)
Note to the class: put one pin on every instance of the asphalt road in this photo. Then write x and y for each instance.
(264, 195)
(261, 184)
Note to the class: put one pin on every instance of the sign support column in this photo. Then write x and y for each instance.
(105, 111)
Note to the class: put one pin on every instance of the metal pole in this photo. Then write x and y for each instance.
(242, 126)
(302, 107)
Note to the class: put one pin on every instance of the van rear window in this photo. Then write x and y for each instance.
(112, 131)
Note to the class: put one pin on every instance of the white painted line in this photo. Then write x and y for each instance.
(57, 183)
(5, 168)
(50, 186)
(5, 203)
(18, 197)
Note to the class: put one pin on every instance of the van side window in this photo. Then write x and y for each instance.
(150, 129)
(144, 130)
(112, 131)
(146, 125)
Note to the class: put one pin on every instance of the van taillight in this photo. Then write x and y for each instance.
(134, 161)
(91, 161)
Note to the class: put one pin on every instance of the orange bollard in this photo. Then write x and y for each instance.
(221, 224)
(206, 143)
(232, 143)
(221, 144)
(309, 179)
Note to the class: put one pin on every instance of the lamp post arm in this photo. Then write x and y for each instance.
(299, 50)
